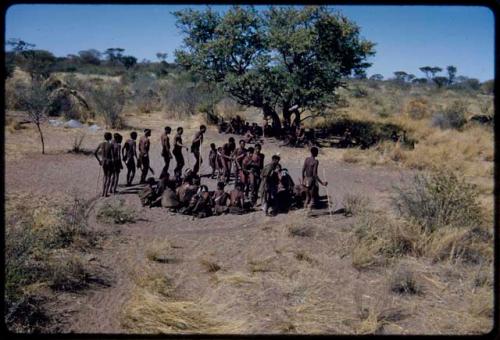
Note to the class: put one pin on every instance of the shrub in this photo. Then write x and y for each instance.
(354, 204)
(417, 108)
(116, 212)
(452, 117)
(108, 101)
(438, 200)
(32, 237)
(146, 93)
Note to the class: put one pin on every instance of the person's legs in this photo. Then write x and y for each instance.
(117, 177)
(144, 169)
(196, 167)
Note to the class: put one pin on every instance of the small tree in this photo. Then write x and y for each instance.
(400, 75)
(34, 99)
(440, 81)
(435, 70)
(161, 56)
(128, 61)
(452, 71)
(91, 56)
(427, 71)
(377, 77)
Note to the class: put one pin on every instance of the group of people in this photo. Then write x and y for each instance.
(184, 193)
(238, 126)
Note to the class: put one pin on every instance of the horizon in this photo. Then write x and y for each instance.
(406, 37)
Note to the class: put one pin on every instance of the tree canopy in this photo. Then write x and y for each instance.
(276, 60)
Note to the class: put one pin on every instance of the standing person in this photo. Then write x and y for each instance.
(143, 161)
(257, 166)
(105, 149)
(129, 152)
(226, 157)
(165, 147)
(247, 173)
(117, 161)
(269, 183)
(195, 148)
(237, 156)
(310, 178)
(212, 159)
(179, 158)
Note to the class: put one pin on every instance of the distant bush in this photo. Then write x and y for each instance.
(108, 101)
(452, 117)
(488, 87)
(14, 88)
(438, 200)
(146, 93)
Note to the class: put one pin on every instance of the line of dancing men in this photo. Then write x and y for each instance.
(183, 191)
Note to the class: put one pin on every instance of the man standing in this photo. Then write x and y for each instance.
(165, 147)
(129, 152)
(310, 178)
(238, 155)
(227, 151)
(195, 148)
(269, 183)
(179, 158)
(106, 162)
(116, 145)
(143, 161)
(257, 166)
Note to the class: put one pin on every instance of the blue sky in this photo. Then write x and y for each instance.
(407, 37)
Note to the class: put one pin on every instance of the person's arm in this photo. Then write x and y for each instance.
(96, 154)
(134, 148)
(124, 150)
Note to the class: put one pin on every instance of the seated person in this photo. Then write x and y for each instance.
(237, 200)
(221, 199)
(201, 203)
(149, 194)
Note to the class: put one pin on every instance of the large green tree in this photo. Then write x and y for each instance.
(282, 60)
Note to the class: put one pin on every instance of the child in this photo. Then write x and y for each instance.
(212, 159)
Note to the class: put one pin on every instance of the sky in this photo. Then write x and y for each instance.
(406, 37)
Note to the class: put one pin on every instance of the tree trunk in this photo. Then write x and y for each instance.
(41, 137)
(276, 124)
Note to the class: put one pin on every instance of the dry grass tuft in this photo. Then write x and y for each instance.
(160, 251)
(403, 281)
(210, 266)
(354, 203)
(300, 230)
(116, 212)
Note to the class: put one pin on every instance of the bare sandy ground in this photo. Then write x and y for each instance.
(272, 299)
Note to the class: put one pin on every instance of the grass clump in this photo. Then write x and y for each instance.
(440, 199)
(210, 266)
(41, 250)
(300, 230)
(116, 212)
(403, 281)
(160, 251)
(354, 203)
